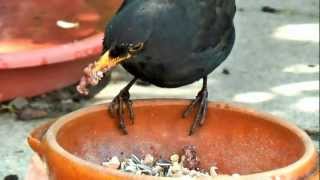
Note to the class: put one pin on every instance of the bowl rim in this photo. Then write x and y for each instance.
(309, 154)
(87, 47)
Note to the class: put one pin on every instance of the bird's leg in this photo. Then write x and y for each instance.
(202, 101)
(120, 103)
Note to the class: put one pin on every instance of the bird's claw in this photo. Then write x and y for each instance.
(202, 101)
(117, 109)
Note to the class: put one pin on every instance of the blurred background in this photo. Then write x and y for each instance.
(274, 66)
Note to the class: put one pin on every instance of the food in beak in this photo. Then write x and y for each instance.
(94, 72)
(89, 78)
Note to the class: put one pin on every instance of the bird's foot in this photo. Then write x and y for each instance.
(202, 101)
(118, 106)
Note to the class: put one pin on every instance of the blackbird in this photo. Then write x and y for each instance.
(168, 43)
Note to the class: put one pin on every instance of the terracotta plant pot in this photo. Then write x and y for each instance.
(236, 139)
(40, 51)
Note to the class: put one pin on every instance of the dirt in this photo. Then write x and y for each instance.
(51, 104)
(268, 9)
(226, 71)
(60, 102)
(192, 161)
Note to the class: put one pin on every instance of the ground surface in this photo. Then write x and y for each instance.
(269, 71)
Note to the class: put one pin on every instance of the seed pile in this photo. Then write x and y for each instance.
(186, 165)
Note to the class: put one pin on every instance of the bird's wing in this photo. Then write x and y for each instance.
(124, 4)
(216, 24)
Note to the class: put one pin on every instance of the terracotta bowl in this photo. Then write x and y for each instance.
(44, 46)
(235, 139)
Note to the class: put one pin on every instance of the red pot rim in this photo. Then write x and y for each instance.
(77, 50)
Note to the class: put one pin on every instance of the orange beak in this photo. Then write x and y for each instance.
(107, 63)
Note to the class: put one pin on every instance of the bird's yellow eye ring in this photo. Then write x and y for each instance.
(133, 49)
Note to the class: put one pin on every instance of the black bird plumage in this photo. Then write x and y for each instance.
(184, 41)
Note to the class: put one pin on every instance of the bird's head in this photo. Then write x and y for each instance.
(126, 37)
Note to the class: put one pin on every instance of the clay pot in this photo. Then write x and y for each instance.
(235, 139)
(38, 54)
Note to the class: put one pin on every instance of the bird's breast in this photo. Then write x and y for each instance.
(168, 73)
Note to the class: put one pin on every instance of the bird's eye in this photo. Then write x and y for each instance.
(135, 48)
